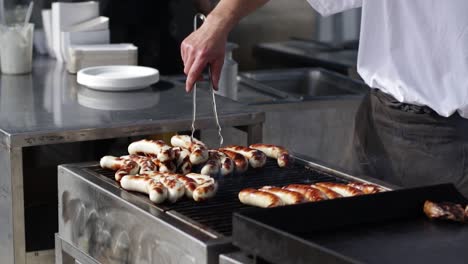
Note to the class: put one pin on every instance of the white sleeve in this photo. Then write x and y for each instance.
(330, 7)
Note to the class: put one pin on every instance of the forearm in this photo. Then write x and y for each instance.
(207, 44)
(229, 12)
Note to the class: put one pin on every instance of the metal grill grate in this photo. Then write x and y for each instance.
(216, 213)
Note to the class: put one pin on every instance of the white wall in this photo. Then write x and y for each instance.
(339, 27)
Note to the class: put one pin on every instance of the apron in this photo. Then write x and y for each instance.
(410, 145)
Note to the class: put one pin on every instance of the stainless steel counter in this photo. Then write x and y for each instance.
(49, 107)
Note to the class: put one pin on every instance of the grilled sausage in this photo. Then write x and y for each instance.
(203, 188)
(153, 148)
(145, 163)
(274, 152)
(175, 188)
(182, 157)
(198, 150)
(286, 196)
(342, 189)
(199, 178)
(227, 166)
(226, 163)
(212, 166)
(122, 166)
(185, 141)
(256, 158)
(240, 162)
(180, 154)
(328, 192)
(189, 184)
(309, 193)
(156, 191)
(445, 211)
(198, 155)
(185, 167)
(206, 186)
(366, 188)
(167, 166)
(257, 198)
(205, 191)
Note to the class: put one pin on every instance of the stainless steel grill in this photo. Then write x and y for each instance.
(215, 215)
(97, 216)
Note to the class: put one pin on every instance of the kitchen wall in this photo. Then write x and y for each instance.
(280, 20)
(158, 27)
(276, 21)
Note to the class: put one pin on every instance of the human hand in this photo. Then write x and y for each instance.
(206, 46)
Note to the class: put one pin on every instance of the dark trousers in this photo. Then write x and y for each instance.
(410, 145)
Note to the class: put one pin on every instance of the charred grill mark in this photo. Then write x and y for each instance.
(329, 193)
(309, 193)
(341, 189)
(258, 155)
(367, 188)
(228, 164)
(284, 158)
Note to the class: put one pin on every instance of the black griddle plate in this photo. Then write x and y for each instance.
(215, 215)
(388, 227)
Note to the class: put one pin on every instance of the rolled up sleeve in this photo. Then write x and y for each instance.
(330, 7)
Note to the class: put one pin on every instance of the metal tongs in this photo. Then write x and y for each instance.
(194, 98)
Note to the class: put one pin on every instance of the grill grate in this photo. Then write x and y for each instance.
(216, 213)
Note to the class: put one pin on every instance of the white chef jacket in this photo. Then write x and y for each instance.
(415, 50)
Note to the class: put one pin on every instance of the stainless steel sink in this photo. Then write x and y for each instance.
(290, 85)
(308, 83)
(299, 53)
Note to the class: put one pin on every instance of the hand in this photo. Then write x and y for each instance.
(206, 46)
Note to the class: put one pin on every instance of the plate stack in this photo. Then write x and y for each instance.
(78, 36)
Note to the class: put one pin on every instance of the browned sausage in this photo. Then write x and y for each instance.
(122, 166)
(256, 158)
(258, 198)
(367, 188)
(275, 152)
(342, 189)
(153, 148)
(240, 162)
(309, 193)
(286, 196)
(328, 192)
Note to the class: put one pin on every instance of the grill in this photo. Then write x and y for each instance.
(215, 215)
(388, 227)
(104, 221)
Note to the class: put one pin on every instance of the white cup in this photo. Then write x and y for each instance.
(16, 43)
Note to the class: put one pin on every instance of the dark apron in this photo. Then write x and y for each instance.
(410, 145)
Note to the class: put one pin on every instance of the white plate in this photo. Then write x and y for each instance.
(117, 78)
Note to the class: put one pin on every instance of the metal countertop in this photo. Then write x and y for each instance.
(48, 106)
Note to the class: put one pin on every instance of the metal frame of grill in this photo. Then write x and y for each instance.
(100, 221)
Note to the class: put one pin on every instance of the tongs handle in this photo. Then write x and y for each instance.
(215, 111)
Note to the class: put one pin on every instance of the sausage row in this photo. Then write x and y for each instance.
(164, 172)
(271, 196)
(186, 153)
